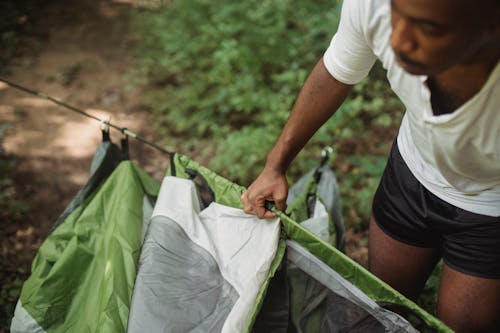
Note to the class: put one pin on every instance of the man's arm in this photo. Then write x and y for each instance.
(318, 100)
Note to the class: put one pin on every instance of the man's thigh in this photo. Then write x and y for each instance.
(404, 267)
(469, 303)
(466, 303)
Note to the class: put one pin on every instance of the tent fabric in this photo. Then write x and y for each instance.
(307, 295)
(225, 193)
(83, 275)
(319, 184)
(314, 307)
(357, 275)
(106, 159)
(200, 270)
(345, 315)
(306, 204)
(350, 270)
(100, 268)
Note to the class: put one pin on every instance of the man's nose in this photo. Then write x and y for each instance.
(402, 38)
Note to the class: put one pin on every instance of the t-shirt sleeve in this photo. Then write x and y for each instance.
(349, 57)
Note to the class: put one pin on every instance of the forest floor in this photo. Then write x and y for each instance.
(80, 54)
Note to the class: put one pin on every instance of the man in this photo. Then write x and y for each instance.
(439, 196)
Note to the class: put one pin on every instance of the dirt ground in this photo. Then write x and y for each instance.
(83, 57)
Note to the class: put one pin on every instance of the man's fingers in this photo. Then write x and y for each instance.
(250, 207)
(247, 206)
(263, 213)
(260, 212)
(255, 207)
(281, 205)
(269, 215)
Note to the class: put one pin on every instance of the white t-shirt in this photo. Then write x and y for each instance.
(455, 156)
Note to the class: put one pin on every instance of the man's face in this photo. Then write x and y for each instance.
(430, 36)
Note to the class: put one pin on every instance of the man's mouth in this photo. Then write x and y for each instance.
(408, 63)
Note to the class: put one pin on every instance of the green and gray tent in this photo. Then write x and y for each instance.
(131, 255)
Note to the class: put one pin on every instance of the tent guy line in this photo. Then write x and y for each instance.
(124, 130)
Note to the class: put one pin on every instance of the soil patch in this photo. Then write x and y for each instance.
(83, 55)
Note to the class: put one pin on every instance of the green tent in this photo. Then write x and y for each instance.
(131, 255)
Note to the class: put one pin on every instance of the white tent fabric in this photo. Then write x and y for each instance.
(200, 270)
(318, 224)
(23, 322)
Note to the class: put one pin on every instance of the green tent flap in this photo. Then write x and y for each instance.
(226, 192)
(85, 270)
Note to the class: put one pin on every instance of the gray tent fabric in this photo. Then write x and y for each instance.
(327, 191)
(349, 309)
(199, 270)
(307, 295)
(319, 191)
(196, 296)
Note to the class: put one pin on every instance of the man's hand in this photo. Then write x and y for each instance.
(269, 186)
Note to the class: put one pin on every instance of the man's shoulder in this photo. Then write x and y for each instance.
(362, 36)
(367, 9)
(370, 16)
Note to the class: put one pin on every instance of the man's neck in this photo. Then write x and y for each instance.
(453, 87)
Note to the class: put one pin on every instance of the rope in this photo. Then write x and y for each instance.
(123, 130)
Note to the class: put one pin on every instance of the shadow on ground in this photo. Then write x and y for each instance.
(79, 52)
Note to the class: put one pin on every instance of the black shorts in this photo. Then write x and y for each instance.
(409, 213)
